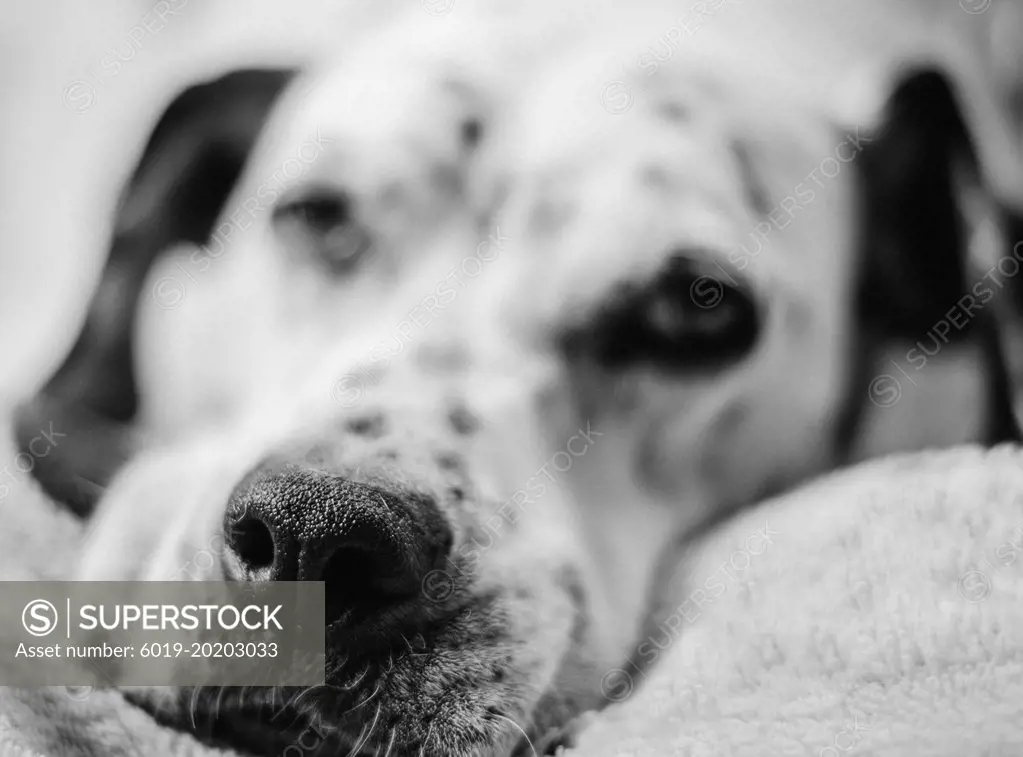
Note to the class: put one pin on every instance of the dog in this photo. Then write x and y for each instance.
(498, 350)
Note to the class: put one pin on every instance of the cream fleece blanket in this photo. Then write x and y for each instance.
(877, 612)
(39, 541)
(882, 616)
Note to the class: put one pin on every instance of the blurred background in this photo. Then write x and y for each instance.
(74, 124)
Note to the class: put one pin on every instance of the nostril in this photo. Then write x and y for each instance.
(344, 566)
(253, 543)
(361, 580)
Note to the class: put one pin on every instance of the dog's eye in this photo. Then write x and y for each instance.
(321, 214)
(324, 222)
(692, 316)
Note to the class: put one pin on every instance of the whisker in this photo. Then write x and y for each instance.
(241, 697)
(289, 704)
(359, 680)
(363, 702)
(372, 727)
(308, 692)
(390, 744)
(193, 706)
(216, 704)
(520, 730)
(272, 704)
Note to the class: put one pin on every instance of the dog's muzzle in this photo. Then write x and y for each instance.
(369, 540)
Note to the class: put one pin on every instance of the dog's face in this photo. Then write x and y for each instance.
(500, 356)
(345, 200)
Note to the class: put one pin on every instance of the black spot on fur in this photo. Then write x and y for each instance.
(371, 425)
(655, 178)
(448, 462)
(756, 193)
(472, 133)
(673, 111)
(549, 216)
(463, 421)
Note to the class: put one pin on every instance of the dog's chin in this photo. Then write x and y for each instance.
(491, 679)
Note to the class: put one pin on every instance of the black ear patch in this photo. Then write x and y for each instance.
(918, 172)
(190, 164)
(915, 235)
(1013, 221)
(1010, 312)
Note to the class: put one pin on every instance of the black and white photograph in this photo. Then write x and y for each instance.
(510, 378)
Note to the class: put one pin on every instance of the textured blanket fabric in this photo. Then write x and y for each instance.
(39, 541)
(878, 612)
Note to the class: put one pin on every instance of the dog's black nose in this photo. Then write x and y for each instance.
(371, 544)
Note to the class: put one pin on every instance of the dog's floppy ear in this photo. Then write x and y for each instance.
(1010, 309)
(919, 170)
(927, 219)
(190, 164)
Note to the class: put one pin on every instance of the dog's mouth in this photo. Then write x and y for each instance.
(476, 683)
